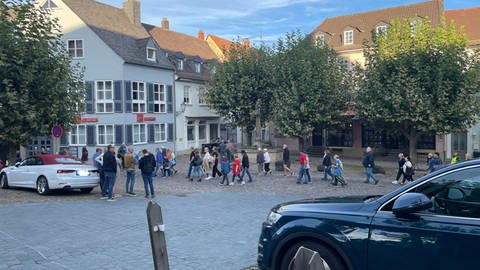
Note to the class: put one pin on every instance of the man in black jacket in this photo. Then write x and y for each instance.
(368, 164)
(327, 165)
(245, 168)
(147, 166)
(110, 171)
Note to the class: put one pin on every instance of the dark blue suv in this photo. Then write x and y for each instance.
(432, 223)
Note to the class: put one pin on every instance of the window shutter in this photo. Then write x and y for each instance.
(128, 96)
(151, 133)
(64, 139)
(119, 134)
(91, 135)
(90, 100)
(117, 89)
(169, 99)
(150, 98)
(170, 132)
(128, 134)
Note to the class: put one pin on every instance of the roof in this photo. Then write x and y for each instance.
(469, 19)
(364, 23)
(221, 43)
(112, 25)
(179, 42)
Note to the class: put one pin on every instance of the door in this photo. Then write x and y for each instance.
(19, 175)
(443, 237)
(317, 136)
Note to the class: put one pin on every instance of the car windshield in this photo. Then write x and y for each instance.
(66, 160)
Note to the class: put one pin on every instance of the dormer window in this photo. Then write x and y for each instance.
(348, 37)
(180, 64)
(319, 39)
(151, 54)
(49, 4)
(381, 30)
(197, 67)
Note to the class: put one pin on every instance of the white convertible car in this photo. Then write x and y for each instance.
(47, 172)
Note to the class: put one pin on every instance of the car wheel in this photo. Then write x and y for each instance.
(42, 186)
(331, 260)
(3, 181)
(86, 190)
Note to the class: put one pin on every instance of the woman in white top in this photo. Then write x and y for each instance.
(267, 161)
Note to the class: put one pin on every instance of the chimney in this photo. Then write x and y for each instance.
(246, 42)
(201, 35)
(132, 10)
(165, 24)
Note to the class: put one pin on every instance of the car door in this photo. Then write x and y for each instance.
(18, 176)
(443, 237)
(32, 171)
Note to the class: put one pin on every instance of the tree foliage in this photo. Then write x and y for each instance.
(419, 78)
(38, 85)
(312, 86)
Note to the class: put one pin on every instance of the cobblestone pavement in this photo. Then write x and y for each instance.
(208, 226)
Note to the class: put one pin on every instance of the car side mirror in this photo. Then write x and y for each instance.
(410, 203)
(17, 164)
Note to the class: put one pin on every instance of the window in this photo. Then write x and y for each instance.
(201, 94)
(75, 48)
(159, 99)
(186, 95)
(381, 30)
(342, 137)
(202, 130)
(348, 37)
(319, 39)
(160, 133)
(180, 64)
(139, 134)
(105, 134)
(454, 194)
(151, 54)
(190, 131)
(78, 135)
(139, 103)
(104, 96)
(49, 4)
(197, 67)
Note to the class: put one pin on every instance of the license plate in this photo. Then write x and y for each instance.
(83, 173)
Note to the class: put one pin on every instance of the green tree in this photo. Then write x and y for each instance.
(38, 85)
(312, 86)
(240, 88)
(419, 78)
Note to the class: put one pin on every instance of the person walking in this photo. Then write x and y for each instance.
(197, 167)
(147, 166)
(159, 160)
(130, 165)
(172, 163)
(236, 169)
(368, 164)
(435, 163)
(207, 162)
(338, 171)
(245, 168)
(98, 163)
(260, 161)
(266, 160)
(400, 172)
(110, 171)
(122, 150)
(301, 171)
(190, 163)
(455, 158)
(307, 169)
(327, 165)
(286, 161)
(84, 158)
(216, 161)
(225, 170)
(408, 170)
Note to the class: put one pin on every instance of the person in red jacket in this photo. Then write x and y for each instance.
(236, 169)
(303, 162)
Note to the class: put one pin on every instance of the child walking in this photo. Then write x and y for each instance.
(338, 171)
(236, 169)
(225, 166)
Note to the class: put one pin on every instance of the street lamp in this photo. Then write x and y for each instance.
(183, 107)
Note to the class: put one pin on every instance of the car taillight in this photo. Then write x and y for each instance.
(65, 171)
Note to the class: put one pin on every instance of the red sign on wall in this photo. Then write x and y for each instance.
(90, 120)
(149, 119)
(140, 117)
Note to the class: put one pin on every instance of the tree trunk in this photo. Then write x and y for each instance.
(258, 131)
(412, 145)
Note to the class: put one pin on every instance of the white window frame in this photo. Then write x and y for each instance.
(197, 67)
(76, 133)
(319, 39)
(103, 101)
(191, 124)
(180, 64)
(137, 133)
(154, 57)
(187, 94)
(75, 49)
(140, 91)
(381, 29)
(158, 134)
(201, 92)
(159, 90)
(348, 37)
(105, 135)
(204, 125)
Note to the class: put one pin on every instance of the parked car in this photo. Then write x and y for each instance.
(431, 223)
(47, 172)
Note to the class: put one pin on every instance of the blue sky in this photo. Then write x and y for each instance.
(258, 20)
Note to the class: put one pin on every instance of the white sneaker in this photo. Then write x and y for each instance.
(208, 178)
(243, 183)
(395, 182)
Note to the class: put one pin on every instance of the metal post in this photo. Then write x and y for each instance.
(157, 236)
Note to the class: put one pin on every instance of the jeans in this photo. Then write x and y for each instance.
(190, 167)
(148, 182)
(301, 173)
(102, 182)
(246, 170)
(307, 174)
(399, 174)
(327, 171)
(130, 181)
(197, 172)
(369, 173)
(109, 183)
